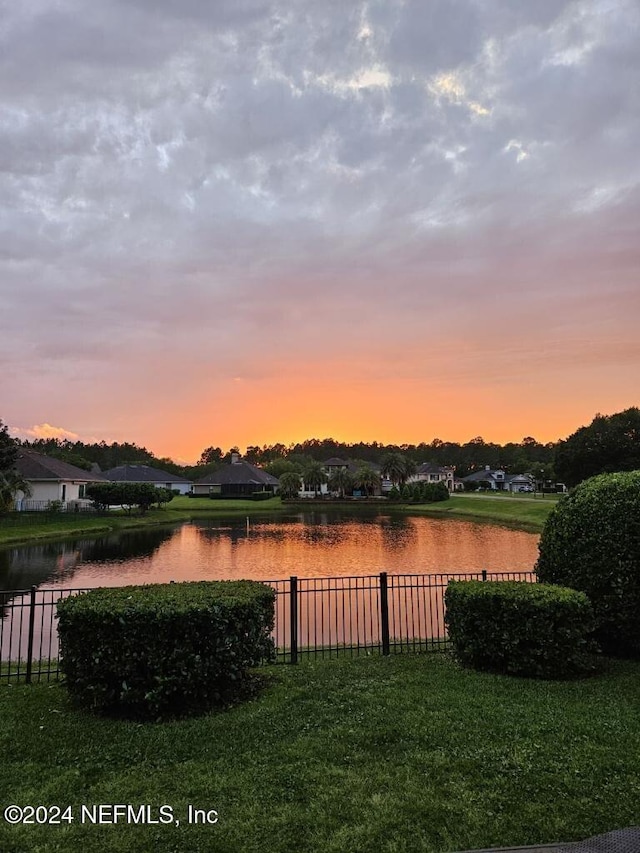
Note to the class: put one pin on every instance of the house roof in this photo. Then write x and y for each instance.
(236, 474)
(141, 474)
(36, 466)
(351, 466)
(491, 475)
(429, 468)
(482, 475)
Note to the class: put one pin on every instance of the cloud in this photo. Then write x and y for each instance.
(45, 431)
(195, 190)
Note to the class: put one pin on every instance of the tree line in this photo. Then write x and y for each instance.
(609, 443)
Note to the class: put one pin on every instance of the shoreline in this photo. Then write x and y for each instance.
(525, 514)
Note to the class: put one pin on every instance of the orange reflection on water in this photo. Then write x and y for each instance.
(317, 547)
(336, 559)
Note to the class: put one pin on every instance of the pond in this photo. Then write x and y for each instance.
(309, 545)
(337, 557)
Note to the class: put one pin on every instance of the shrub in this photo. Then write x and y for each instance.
(537, 630)
(103, 495)
(591, 542)
(394, 494)
(434, 492)
(142, 495)
(164, 650)
(164, 496)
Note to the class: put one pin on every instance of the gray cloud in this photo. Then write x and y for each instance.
(187, 173)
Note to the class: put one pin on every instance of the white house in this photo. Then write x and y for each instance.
(51, 480)
(428, 473)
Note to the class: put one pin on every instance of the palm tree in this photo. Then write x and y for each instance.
(393, 467)
(290, 484)
(11, 482)
(341, 481)
(314, 476)
(397, 468)
(368, 479)
(410, 468)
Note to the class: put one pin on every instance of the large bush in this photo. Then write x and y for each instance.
(591, 542)
(518, 628)
(164, 650)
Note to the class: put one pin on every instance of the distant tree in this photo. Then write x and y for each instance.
(367, 479)
(341, 482)
(228, 456)
(398, 468)
(410, 469)
(142, 495)
(253, 454)
(167, 464)
(281, 466)
(609, 444)
(11, 482)
(392, 465)
(210, 456)
(290, 484)
(8, 449)
(314, 476)
(103, 495)
(127, 495)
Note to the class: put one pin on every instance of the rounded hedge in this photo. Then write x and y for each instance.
(531, 629)
(591, 542)
(164, 650)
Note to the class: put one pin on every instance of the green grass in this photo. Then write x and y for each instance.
(407, 753)
(515, 510)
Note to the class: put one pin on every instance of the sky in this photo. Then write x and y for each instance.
(247, 222)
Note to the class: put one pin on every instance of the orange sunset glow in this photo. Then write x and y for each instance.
(387, 224)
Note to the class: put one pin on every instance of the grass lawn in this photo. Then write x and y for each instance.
(513, 509)
(406, 753)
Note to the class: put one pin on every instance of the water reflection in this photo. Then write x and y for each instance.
(60, 562)
(315, 544)
(320, 547)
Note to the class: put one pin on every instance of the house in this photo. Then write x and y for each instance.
(330, 468)
(428, 473)
(52, 480)
(239, 479)
(147, 474)
(335, 464)
(499, 480)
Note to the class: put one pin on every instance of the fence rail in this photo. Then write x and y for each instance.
(314, 617)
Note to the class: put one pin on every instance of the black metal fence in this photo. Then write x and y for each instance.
(45, 514)
(314, 618)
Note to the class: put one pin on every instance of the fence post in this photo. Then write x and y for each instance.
(384, 613)
(32, 620)
(484, 574)
(293, 618)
